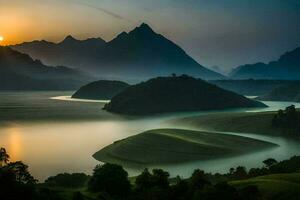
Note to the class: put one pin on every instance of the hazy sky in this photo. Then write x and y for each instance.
(225, 33)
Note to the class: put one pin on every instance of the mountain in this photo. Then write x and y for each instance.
(136, 55)
(174, 94)
(100, 90)
(20, 72)
(288, 92)
(286, 67)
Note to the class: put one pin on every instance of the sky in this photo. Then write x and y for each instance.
(222, 33)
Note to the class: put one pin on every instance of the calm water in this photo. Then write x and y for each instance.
(52, 134)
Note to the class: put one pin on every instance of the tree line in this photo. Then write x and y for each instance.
(111, 182)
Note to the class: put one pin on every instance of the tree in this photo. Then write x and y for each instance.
(240, 172)
(288, 120)
(110, 178)
(75, 180)
(160, 178)
(21, 172)
(250, 192)
(15, 180)
(198, 181)
(77, 196)
(270, 162)
(153, 186)
(143, 181)
(4, 157)
(180, 190)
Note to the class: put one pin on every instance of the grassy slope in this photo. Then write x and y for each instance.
(259, 123)
(174, 145)
(275, 186)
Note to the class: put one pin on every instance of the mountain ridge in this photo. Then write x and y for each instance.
(139, 54)
(19, 71)
(287, 67)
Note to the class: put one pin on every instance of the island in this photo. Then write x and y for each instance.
(176, 94)
(100, 90)
(163, 146)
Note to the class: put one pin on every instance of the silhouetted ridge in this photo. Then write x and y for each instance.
(20, 72)
(69, 39)
(134, 56)
(286, 67)
(143, 29)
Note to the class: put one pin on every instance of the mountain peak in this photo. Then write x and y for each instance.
(69, 38)
(144, 28)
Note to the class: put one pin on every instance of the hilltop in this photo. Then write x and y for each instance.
(175, 94)
(100, 90)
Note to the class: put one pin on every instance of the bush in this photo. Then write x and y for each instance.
(75, 180)
(110, 178)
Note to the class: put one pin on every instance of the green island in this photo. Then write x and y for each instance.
(163, 146)
(176, 94)
(100, 90)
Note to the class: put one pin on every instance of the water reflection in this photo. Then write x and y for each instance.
(50, 147)
(15, 142)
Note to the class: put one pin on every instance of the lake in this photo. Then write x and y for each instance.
(54, 134)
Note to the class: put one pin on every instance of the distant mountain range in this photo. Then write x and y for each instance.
(286, 67)
(20, 72)
(136, 55)
(251, 87)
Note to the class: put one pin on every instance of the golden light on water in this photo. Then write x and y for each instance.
(14, 144)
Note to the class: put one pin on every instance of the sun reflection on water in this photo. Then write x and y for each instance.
(14, 143)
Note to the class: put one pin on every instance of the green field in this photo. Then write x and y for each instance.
(275, 186)
(174, 146)
(258, 123)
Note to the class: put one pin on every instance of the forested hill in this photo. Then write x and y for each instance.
(173, 94)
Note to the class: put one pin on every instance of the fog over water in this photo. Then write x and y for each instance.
(53, 134)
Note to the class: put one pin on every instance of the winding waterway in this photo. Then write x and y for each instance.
(53, 134)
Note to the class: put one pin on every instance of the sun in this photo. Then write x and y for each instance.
(1, 38)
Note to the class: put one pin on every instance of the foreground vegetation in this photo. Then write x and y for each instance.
(177, 145)
(276, 180)
(275, 186)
